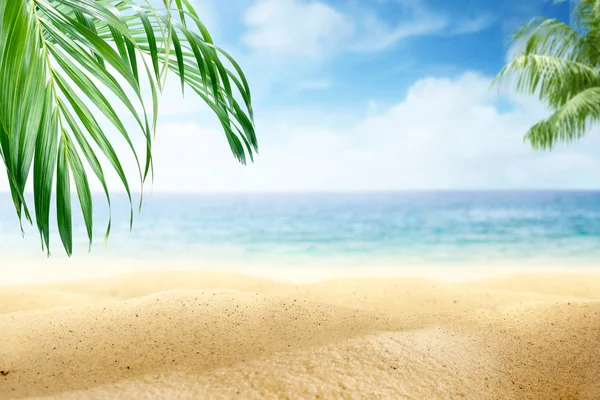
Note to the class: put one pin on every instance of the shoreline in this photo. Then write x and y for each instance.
(20, 271)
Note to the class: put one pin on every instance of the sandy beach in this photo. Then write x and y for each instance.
(208, 334)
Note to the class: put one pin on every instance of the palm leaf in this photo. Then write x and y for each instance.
(550, 37)
(561, 65)
(553, 79)
(569, 123)
(60, 59)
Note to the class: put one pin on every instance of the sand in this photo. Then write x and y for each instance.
(207, 334)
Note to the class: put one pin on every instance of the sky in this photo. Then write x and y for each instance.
(353, 95)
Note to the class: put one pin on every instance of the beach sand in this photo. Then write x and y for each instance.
(207, 334)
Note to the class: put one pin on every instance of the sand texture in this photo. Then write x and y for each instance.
(217, 335)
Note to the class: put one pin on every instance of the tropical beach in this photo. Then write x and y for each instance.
(422, 220)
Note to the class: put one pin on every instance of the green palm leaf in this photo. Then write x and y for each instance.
(59, 62)
(561, 65)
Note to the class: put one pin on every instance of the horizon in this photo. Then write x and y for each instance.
(366, 191)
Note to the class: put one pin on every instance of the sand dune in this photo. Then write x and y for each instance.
(193, 335)
(12, 300)
(558, 284)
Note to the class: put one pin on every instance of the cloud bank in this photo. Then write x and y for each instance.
(444, 134)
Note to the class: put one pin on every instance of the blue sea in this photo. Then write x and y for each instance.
(361, 228)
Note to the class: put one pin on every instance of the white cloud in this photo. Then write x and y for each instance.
(445, 133)
(379, 36)
(296, 28)
(418, 20)
(313, 29)
(473, 25)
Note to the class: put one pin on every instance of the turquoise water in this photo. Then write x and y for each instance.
(428, 227)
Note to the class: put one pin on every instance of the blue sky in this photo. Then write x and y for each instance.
(369, 95)
(369, 48)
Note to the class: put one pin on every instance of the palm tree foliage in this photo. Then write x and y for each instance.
(60, 63)
(560, 63)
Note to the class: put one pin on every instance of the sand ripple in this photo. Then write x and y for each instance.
(191, 335)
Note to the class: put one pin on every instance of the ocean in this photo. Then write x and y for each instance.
(359, 228)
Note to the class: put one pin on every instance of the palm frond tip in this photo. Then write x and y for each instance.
(560, 63)
(61, 61)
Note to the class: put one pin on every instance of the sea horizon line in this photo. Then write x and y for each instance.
(341, 192)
